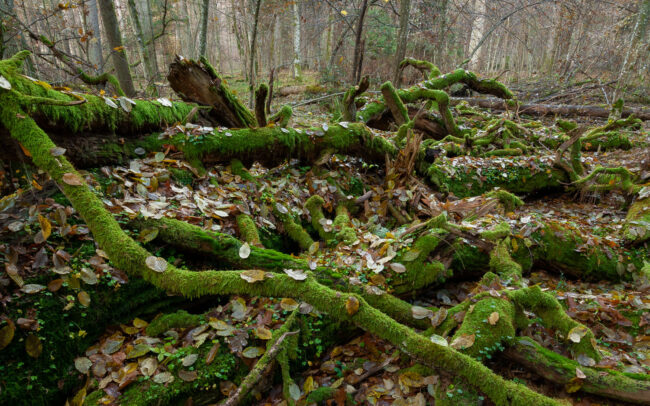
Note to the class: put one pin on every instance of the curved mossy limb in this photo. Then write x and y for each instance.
(314, 205)
(295, 231)
(281, 117)
(636, 229)
(102, 80)
(428, 70)
(626, 387)
(395, 104)
(248, 230)
(552, 314)
(502, 263)
(343, 229)
(509, 201)
(129, 256)
(488, 338)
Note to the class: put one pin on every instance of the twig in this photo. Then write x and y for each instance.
(258, 371)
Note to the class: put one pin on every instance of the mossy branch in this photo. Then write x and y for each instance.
(428, 70)
(349, 99)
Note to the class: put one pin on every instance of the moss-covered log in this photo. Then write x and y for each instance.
(626, 387)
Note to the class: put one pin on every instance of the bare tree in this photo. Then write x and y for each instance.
(404, 14)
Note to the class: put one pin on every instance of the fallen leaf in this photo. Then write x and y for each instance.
(263, 333)
(397, 267)
(7, 334)
(573, 385)
(420, 312)
(253, 352)
(576, 333)
(244, 251)
(84, 298)
(83, 364)
(440, 340)
(163, 377)
(32, 288)
(72, 179)
(462, 342)
(190, 359)
(352, 305)
(438, 317)
(493, 318)
(156, 264)
(288, 304)
(296, 274)
(57, 151)
(580, 374)
(33, 346)
(253, 275)
(46, 226)
(188, 376)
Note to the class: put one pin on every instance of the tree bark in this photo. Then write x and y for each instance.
(114, 37)
(252, 74)
(296, 40)
(404, 14)
(358, 44)
(203, 33)
(96, 57)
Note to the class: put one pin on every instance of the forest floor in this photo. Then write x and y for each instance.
(43, 237)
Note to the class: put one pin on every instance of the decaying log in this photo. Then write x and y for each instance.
(552, 109)
(198, 82)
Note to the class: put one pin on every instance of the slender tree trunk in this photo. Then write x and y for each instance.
(296, 40)
(95, 43)
(148, 36)
(251, 67)
(478, 27)
(203, 34)
(356, 68)
(404, 13)
(637, 34)
(139, 35)
(114, 37)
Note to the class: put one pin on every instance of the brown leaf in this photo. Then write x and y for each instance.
(212, 353)
(463, 341)
(352, 305)
(46, 226)
(493, 318)
(72, 179)
(84, 298)
(187, 376)
(7, 334)
(33, 346)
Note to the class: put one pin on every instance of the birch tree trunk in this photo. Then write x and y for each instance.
(478, 27)
(114, 37)
(296, 41)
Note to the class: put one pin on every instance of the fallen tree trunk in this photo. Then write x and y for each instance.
(552, 109)
(200, 83)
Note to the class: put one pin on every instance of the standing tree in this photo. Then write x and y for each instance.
(95, 43)
(203, 33)
(251, 63)
(404, 14)
(296, 40)
(112, 28)
(357, 62)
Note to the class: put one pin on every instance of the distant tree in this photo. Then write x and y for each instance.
(114, 37)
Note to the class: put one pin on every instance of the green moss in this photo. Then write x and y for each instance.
(182, 176)
(501, 230)
(248, 230)
(314, 205)
(636, 228)
(507, 199)
(501, 262)
(179, 319)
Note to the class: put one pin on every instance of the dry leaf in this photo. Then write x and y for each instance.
(72, 179)
(7, 334)
(244, 251)
(352, 305)
(156, 264)
(493, 318)
(263, 333)
(252, 275)
(463, 341)
(288, 304)
(84, 298)
(46, 227)
(33, 346)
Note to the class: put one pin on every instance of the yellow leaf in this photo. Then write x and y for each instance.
(46, 226)
(139, 323)
(573, 385)
(36, 185)
(7, 334)
(493, 318)
(462, 342)
(352, 305)
(263, 333)
(33, 346)
(308, 386)
(25, 151)
(288, 304)
(343, 12)
(84, 298)
(119, 49)
(253, 275)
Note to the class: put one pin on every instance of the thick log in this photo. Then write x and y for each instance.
(552, 109)
(198, 82)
